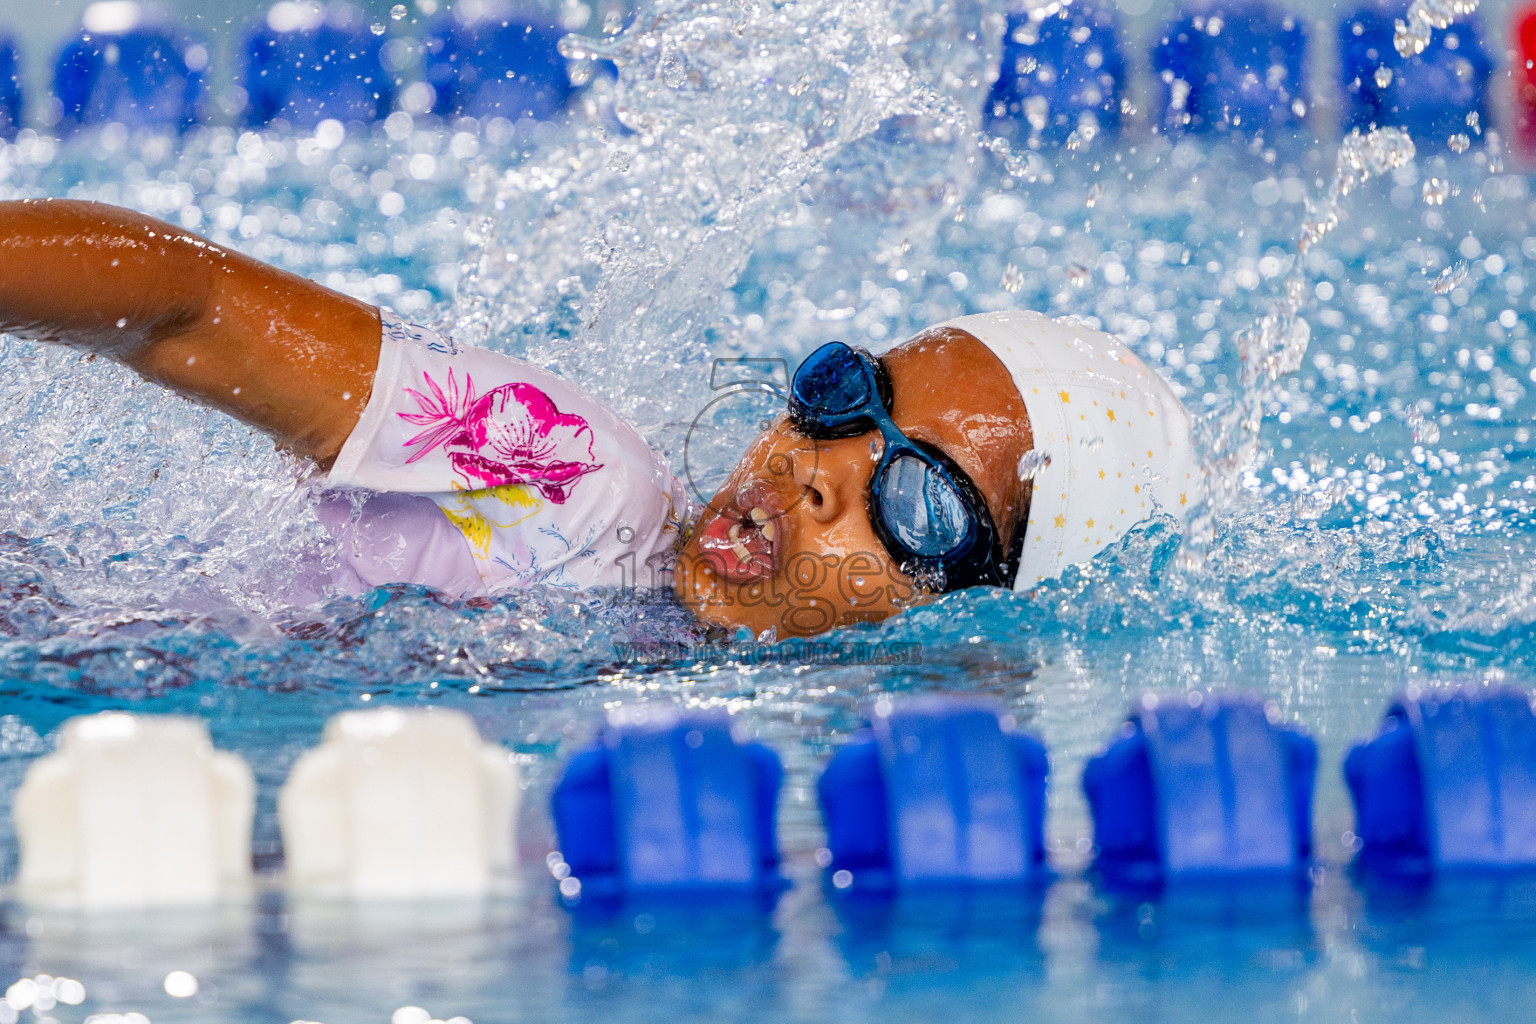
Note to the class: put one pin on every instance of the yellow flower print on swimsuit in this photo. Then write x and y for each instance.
(521, 501)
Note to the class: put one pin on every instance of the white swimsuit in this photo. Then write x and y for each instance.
(491, 474)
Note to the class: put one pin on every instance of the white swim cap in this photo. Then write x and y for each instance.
(1117, 437)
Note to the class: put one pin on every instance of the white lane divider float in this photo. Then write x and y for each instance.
(132, 812)
(399, 805)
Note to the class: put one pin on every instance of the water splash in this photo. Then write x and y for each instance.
(1273, 348)
(607, 254)
(1411, 36)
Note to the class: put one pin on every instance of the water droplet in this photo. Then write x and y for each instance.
(1435, 191)
(924, 578)
(1094, 194)
(673, 71)
(377, 28)
(1459, 142)
(1026, 166)
(1082, 135)
(1078, 275)
(1314, 503)
(619, 161)
(1013, 279)
(799, 86)
(1411, 36)
(1451, 277)
(1383, 77)
(1036, 110)
(1409, 40)
(1425, 429)
(1093, 444)
(1475, 122)
(397, 12)
(1033, 464)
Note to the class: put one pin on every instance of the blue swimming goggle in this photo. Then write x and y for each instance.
(929, 515)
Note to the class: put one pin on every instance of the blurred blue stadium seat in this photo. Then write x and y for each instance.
(1232, 67)
(1430, 94)
(10, 87)
(129, 65)
(1057, 71)
(306, 62)
(497, 65)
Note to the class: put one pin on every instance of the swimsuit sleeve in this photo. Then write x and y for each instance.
(543, 483)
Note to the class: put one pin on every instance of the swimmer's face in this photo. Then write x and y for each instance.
(787, 544)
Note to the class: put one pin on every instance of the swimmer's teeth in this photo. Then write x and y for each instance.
(759, 515)
(768, 532)
(742, 554)
(735, 533)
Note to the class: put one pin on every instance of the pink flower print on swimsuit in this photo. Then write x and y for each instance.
(512, 434)
(506, 464)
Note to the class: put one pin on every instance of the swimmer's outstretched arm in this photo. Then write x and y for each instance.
(282, 353)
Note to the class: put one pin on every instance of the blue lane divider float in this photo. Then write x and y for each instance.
(669, 804)
(496, 65)
(1449, 781)
(129, 66)
(1201, 783)
(1059, 72)
(305, 63)
(1430, 94)
(10, 88)
(937, 791)
(1234, 67)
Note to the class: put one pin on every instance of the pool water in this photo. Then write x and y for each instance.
(734, 195)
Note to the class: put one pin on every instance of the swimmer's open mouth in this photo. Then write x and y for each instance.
(741, 540)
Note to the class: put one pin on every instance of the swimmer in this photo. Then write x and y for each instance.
(993, 450)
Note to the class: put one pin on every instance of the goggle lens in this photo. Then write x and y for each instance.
(833, 382)
(921, 509)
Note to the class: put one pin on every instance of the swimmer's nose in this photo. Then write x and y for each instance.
(818, 492)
